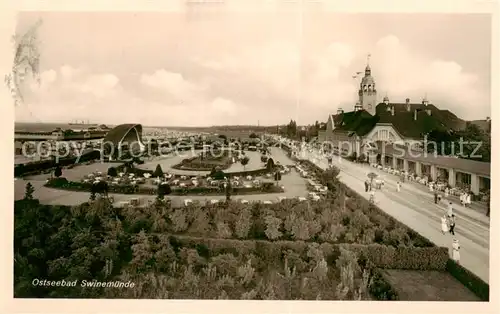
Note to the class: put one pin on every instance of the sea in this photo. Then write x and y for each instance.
(46, 127)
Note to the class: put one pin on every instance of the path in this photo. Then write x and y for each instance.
(295, 186)
(415, 207)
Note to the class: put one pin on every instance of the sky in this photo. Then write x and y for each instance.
(215, 67)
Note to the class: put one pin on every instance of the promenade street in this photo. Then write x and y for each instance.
(415, 207)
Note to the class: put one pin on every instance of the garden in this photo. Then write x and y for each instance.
(333, 249)
(206, 161)
(126, 179)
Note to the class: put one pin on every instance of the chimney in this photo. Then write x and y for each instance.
(340, 111)
(392, 110)
(408, 106)
(357, 107)
(415, 115)
(488, 119)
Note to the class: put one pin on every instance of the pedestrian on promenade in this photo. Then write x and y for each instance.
(431, 187)
(444, 224)
(372, 196)
(366, 185)
(467, 199)
(435, 197)
(446, 192)
(452, 224)
(450, 209)
(398, 186)
(456, 251)
(462, 198)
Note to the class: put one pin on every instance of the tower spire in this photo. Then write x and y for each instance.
(368, 70)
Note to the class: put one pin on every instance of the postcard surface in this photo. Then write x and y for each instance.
(286, 152)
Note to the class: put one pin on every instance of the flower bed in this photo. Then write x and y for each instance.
(207, 163)
(63, 184)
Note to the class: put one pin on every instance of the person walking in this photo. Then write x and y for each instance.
(444, 224)
(398, 186)
(452, 224)
(455, 251)
(372, 196)
(467, 199)
(446, 192)
(435, 197)
(462, 198)
(366, 185)
(450, 209)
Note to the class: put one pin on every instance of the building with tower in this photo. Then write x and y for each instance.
(367, 92)
(371, 122)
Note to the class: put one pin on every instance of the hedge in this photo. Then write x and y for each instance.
(63, 184)
(382, 256)
(40, 166)
(380, 288)
(414, 235)
(475, 284)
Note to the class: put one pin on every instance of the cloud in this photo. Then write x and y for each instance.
(174, 85)
(403, 73)
(69, 93)
(271, 83)
(224, 107)
(309, 85)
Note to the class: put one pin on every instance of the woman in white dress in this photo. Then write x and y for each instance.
(467, 199)
(455, 255)
(398, 186)
(446, 192)
(444, 224)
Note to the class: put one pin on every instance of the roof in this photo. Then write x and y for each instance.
(403, 120)
(484, 125)
(460, 164)
(120, 132)
(360, 122)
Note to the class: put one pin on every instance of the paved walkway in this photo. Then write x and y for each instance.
(415, 207)
(295, 186)
(167, 162)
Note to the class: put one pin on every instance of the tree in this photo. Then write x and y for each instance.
(92, 196)
(244, 161)
(179, 222)
(218, 175)
(100, 187)
(277, 177)
(141, 251)
(112, 172)
(29, 190)
(158, 171)
(273, 225)
(270, 164)
(163, 189)
(243, 223)
(58, 171)
(229, 190)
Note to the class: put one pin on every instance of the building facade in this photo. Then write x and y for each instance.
(371, 123)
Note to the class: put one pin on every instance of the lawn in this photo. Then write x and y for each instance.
(413, 285)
